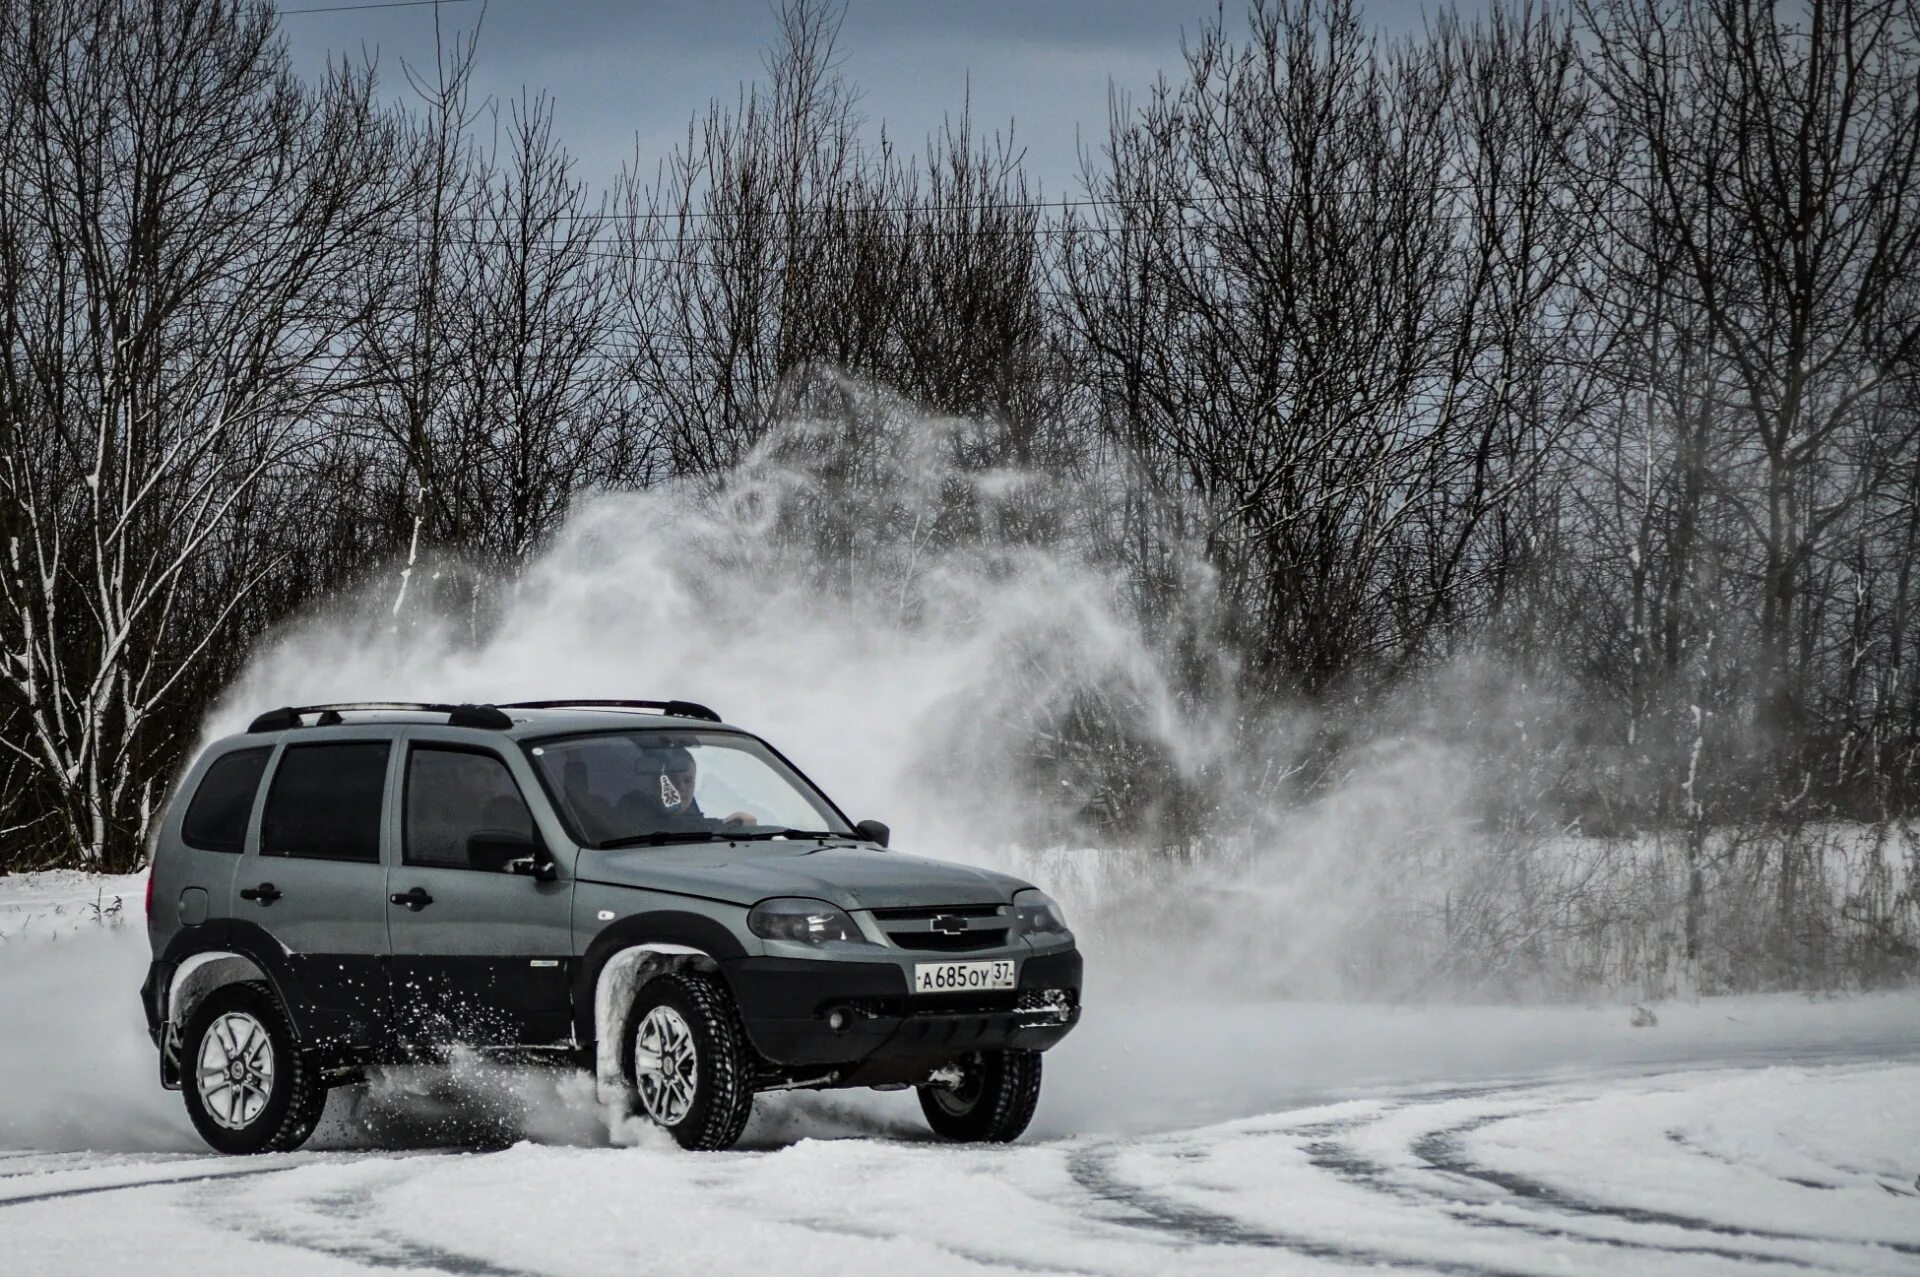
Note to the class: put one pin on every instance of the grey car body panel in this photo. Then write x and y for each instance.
(501, 958)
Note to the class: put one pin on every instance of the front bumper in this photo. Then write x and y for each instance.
(789, 1007)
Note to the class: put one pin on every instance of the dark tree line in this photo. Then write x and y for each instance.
(1585, 340)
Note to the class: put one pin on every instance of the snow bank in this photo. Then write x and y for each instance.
(60, 901)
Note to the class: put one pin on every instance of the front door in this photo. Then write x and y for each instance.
(480, 954)
(315, 883)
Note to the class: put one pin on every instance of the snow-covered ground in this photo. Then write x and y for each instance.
(1755, 1134)
(42, 905)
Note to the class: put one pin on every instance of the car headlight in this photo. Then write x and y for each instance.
(807, 921)
(1036, 913)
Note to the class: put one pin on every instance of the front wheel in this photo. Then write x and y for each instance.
(992, 1102)
(249, 1088)
(686, 1056)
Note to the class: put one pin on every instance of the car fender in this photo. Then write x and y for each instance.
(620, 977)
(192, 980)
(658, 927)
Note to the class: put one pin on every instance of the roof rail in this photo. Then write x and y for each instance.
(280, 720)
(676, 709)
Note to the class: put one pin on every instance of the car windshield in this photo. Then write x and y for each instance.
(630, 788)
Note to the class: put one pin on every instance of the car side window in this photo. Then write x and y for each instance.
(325, 800)
(216, 819)
(464, 811)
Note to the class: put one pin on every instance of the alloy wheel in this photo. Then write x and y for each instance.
(234, 1073)
(664, 1063)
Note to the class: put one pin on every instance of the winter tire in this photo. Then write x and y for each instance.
(248, 1086)
(686, 1056)
(993, 1101)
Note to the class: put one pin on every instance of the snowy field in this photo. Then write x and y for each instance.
(1775, 1134)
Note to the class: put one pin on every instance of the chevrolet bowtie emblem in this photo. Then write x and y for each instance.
(948, 925)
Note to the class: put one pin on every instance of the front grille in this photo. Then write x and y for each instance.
(946, 928)
(939, 942)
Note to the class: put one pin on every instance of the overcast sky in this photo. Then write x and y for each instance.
(627, 70)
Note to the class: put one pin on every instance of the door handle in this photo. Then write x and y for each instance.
(266, 893)
(416, 900)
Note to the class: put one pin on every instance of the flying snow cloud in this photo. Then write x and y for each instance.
(939, 646)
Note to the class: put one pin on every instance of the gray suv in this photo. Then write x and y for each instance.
(631, 887)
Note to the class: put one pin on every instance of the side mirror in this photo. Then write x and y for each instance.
(505, 851)
(539, 866)
(873, 831)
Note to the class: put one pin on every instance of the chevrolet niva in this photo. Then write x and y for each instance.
(630, 887)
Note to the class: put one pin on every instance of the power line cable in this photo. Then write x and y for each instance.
(383, 4)
(1371, 192)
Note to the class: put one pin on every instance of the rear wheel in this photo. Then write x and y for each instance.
(992, 1102)
(687, 1058)
(248, 1087)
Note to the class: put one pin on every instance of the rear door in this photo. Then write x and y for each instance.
(317, 881)
(480, 954)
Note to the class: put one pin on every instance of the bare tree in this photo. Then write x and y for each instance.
(1770, 184)
(1320, 288)
(775, 255)
(178, 216)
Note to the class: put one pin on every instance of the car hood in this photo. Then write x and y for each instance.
(853, 877)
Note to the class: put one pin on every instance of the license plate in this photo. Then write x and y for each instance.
(964, 977)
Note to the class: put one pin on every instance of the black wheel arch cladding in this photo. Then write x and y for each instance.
(229, 935)
(660, 926)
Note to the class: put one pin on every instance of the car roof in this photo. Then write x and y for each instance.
(525, 723)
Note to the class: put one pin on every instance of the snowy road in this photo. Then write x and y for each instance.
(1751, 1135)
(1801, 1169)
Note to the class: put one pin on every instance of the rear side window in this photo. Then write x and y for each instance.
(216, 819)
(452, 795)
(325, 802)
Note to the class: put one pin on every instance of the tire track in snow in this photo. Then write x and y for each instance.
(1442, 1150)
(1328, 1148)
(88, 1190)
(1092, 1169)
(373, 1247)
(1325, 1152)
(986, 1259)
(1680, 1141)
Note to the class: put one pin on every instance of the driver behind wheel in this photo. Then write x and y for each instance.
(662, 799)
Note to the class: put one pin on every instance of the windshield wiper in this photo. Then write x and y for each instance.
(661, 838)
(792, 833)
